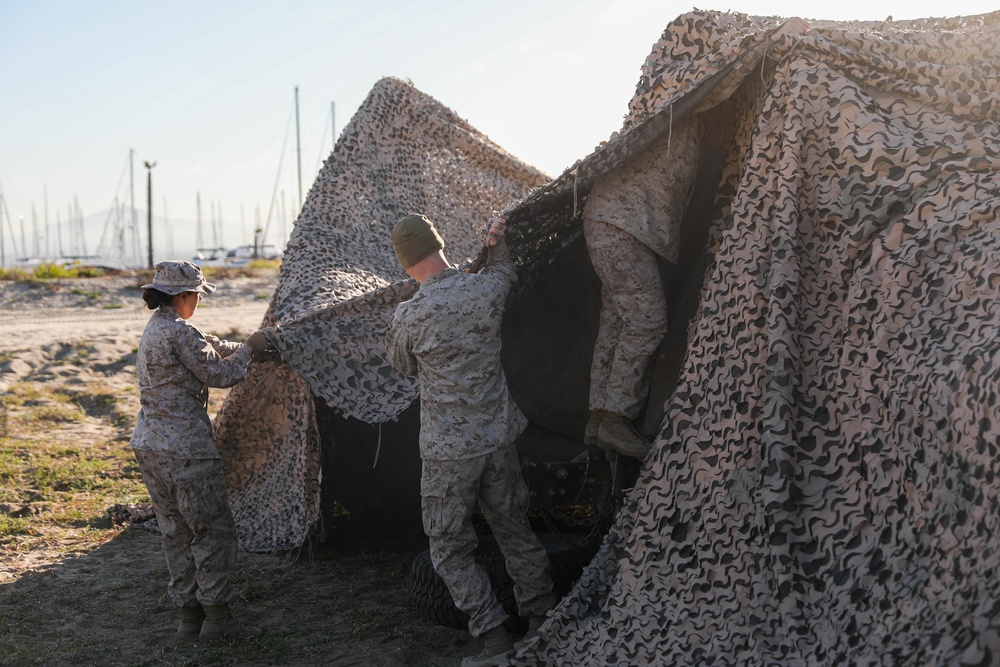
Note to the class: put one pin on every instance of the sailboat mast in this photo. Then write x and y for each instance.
(198, 239)
(3, 246)
(169, 232)
(34, 231)
(298, 144)
(48, 232)
(131, 191)
(83, 232)
(149, 210)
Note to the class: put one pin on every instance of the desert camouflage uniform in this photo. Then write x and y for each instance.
(632, 215)
(449, 335)
(180, 464)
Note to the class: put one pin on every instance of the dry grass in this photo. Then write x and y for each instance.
(55, 481)
(77, 590)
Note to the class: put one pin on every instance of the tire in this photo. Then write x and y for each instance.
(434, 604)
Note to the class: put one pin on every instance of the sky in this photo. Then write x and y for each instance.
(91, 91)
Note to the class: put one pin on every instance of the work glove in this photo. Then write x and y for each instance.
(263, 344)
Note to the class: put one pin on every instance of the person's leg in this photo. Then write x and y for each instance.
(448, 491)
(202, 500)
(610, 324)
(608, 331)
(503, 498)
(633, 291)
(631, 278)
(157, 475)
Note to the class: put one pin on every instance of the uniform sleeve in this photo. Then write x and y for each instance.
(200, 357)
(397, 342)
(223, 347)
(500, 268)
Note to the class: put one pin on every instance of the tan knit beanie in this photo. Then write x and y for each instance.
(414, 238)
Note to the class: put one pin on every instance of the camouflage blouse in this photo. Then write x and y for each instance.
(648, 196)
(448, 335)
(176, 364)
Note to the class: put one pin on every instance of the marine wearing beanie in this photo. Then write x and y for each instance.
(414, 238)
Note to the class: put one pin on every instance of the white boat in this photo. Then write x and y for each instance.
(235, 257)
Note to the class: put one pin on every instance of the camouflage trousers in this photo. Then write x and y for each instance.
(633, 318)
(449, 491)
(199, 534)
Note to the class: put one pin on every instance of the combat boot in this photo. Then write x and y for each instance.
(495, 652)
(191, 619)
(616, 433)
(590, 430)
(534, 623)
(220, 624)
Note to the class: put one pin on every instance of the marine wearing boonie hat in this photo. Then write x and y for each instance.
(414, 238)
(175, 276)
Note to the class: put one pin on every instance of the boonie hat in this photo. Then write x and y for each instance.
(175, 276)
(414, 238)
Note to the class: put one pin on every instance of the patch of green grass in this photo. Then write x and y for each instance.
(261, 295)
(265, 264)
(98, 400)
(62, 478)
(13, 274)
(50, 272)
(69, 473)
(56, 412)
(93, 294)
(113, 306)
(10, 526)
(21, 393)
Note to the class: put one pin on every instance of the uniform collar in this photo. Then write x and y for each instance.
(440, 275)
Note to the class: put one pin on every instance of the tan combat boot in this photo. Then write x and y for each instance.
(534, 623)
(191, 620)
(220, 624)
(495, 652)
(616, 433)
(590, 430)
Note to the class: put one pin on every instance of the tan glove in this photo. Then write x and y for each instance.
(263, 345)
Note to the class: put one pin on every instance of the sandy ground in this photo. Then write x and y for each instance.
(87, 603)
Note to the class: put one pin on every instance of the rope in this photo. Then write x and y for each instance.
(576, 173)
(670, 132)
(378, 447)
(767, 49)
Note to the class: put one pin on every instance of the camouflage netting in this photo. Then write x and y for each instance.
(340, 281)
(823, 488)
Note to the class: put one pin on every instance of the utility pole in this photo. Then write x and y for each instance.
(149, 208)
(333, 122)
(298, 144)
